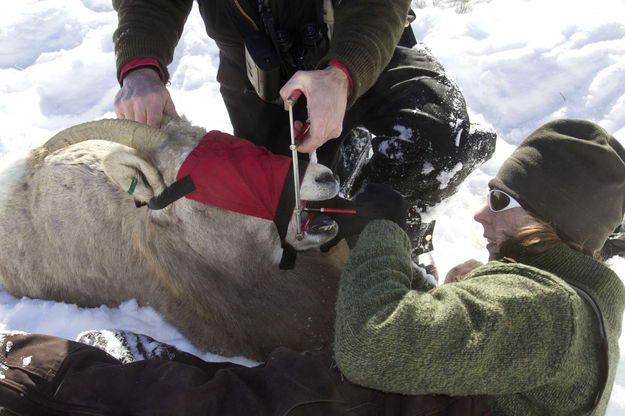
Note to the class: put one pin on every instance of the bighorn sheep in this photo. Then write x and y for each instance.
(70, 231)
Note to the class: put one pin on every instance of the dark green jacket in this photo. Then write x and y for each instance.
(513, 331)
(365, 34)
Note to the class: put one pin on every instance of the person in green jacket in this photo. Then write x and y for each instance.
(522, 329)
(366, 83)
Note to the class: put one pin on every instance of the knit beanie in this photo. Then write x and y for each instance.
(570, 173)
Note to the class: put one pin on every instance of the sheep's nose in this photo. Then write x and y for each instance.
(326, 177)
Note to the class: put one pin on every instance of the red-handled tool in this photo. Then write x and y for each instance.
(298, 202)
(304, 131)
(331, 210)
(290, 101)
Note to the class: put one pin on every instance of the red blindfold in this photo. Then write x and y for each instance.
(235, 174)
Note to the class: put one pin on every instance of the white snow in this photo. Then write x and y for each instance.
(520, 63)
(445, 177)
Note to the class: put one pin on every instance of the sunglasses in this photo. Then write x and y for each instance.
(500, 201)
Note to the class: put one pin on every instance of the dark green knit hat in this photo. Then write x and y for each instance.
(570, 173)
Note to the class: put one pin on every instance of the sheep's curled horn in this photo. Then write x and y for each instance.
(123, 168)
(130, 133)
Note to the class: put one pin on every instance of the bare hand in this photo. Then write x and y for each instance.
(326, 93)
(459, 272)
(144, 98)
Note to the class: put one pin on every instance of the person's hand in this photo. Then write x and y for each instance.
(458, 273)
(381, 202)
(326, 94)
(377, 201)
(144, 98)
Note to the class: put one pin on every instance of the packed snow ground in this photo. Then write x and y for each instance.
(520, 63)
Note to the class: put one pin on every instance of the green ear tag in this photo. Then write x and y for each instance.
(133, 185)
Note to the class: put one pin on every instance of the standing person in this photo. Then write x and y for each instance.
(525, 329)
(534, 331)
(365, 84)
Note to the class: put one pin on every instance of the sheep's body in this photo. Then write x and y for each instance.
(69, 233)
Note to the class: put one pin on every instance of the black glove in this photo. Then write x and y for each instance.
(381, 202)
(377, 201)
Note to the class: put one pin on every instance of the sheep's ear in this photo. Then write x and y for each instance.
(133, 174)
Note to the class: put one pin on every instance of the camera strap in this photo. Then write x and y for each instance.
(328, 17)
(268, 22)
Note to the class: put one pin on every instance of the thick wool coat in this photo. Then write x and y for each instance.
(514, 331)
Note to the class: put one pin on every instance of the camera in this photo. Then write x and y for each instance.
(268, 68)
(303, 52)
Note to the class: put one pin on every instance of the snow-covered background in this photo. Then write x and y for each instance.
(520, 64)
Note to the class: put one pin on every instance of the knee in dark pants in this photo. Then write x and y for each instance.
(413, 132)
(426, 175)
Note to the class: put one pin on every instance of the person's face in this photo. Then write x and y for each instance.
(501, 226)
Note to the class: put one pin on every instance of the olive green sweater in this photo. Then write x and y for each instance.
(513, 331)
(365, 32)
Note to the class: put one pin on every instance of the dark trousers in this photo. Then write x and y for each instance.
(44, 375)
(411, 130)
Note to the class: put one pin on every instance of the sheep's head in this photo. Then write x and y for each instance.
(132, 170)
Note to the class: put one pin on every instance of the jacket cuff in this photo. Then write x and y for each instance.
(339, 65)
(141, 63)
